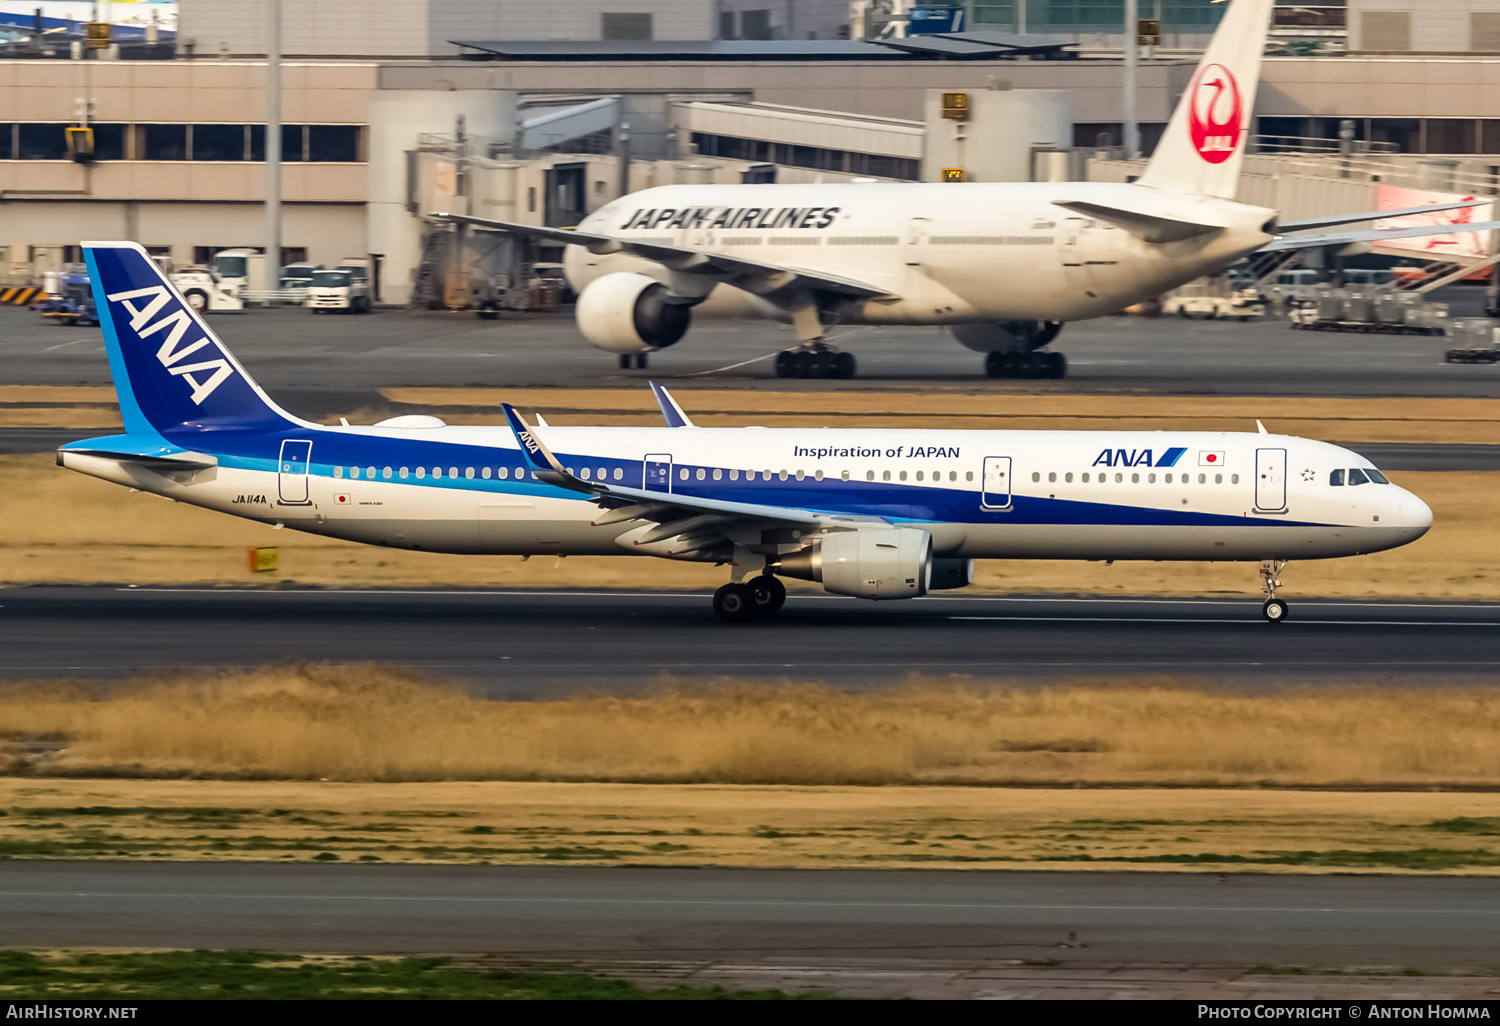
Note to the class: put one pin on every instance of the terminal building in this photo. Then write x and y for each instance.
(394, 109)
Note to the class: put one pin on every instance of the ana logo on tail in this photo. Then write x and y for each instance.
(1215, 113)
(172, 350)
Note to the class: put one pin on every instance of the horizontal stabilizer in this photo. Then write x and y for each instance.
(1373, 215)
(143, 450)
(1150, 227)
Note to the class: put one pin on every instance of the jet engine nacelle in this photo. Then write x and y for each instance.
(1005, 336)
(627, 312)
(878, 564)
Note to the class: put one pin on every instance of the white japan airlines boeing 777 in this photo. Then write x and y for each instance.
(876, 514)
(1003, 264)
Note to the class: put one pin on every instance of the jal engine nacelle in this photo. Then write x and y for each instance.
(877, 564)
(627, 312)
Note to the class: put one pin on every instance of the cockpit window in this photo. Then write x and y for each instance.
(1336, 478)
(1357, 477)
(1376, 476)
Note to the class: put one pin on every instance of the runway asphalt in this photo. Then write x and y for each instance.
(319, 365)
(536, 644)
(754, 914)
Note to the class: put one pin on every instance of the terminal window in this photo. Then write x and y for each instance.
(41, 142)
(7, 142)
(625, 26)
(165, 142)
(219, 142)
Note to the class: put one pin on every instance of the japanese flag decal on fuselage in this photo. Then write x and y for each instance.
(171, 352)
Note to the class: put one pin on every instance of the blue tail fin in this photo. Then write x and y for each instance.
(172, 374)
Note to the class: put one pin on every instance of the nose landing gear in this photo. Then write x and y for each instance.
(1274, 610)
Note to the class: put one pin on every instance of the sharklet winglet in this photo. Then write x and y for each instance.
(670, 409)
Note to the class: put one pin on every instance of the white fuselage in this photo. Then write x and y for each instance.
(950, 253)
(986, 494)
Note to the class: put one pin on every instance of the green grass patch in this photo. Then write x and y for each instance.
(1483, 825)
(240, 975)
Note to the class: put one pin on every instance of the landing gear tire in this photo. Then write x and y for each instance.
(820, 363)
(197, 299)
(633, 360)
(734, 603)
(1275, 611)
(767, 594)
(1031, 366)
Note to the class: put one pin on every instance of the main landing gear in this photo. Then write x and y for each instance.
(814, 361)
(1275, 610)
(760, 596)
(1033, 366)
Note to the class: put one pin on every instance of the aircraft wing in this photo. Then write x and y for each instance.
(683, 258)
(698, 521)
(1373, 235)
(1373, 215)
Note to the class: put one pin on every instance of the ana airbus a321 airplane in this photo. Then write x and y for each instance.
(872, 514)
(1002, 264)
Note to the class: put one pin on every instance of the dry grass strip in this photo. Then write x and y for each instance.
(374, 723)
(62, 527)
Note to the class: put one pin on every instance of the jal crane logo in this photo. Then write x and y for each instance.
(1215, 114)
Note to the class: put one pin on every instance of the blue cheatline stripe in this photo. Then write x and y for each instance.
(130, 411)
(1170, 457)
(902, 503)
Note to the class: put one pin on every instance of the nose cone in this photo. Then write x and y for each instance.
(1413, 514)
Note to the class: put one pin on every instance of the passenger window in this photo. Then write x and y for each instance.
(683, 475)
(486, 473)
(734, 475)
(952, 475)
(619, 473)
(869, 475)
(370, 473)
(502, 473)
(801, 474)
(699, 475)
(452, 471)
(338, 471)
(886, 476)
(1036, 475)
(1376, 477)
(903, 475)
(1203, 479)
(919, 475)
(386, 473)
(782, 475)
(1119, 478)
(818, 476)
(354, 472)
(846, 475)
(1135, 479)
(1068, 477)
(718, 474)
(1218, 479)
(969, 475)
(585, 475)
(1085, 478)
(403, 473)
(1357, 477)
(1234, 479)
(1169, 479)
(1151, 479)
(437, 472)
(469, 472)
(1051, 478)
